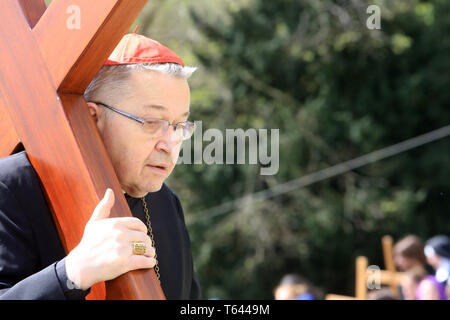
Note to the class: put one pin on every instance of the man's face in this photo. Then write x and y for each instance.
(135, 155)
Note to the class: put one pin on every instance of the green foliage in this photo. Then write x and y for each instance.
(336, 90)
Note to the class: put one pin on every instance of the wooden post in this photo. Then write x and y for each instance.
(389, 264)
(360, 283)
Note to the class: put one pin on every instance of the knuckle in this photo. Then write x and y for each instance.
(116, 223)
(152, 251)
(141, 262)
(138, 222)
(149, 263)
(141, 225)
(117, 235)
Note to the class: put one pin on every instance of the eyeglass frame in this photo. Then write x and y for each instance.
(144, 120)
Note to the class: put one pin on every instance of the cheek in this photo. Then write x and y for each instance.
(125, 151)
(135, 156)
(175, 153)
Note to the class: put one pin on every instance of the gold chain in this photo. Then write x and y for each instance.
(150, 231)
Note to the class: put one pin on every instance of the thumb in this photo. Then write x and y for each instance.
(103, 209)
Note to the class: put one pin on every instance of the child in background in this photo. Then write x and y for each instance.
(418, 285)
(295, 287)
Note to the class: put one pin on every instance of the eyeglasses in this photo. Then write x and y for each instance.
(157, 127)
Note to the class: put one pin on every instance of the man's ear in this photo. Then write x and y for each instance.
(97, 114)
(94, 111)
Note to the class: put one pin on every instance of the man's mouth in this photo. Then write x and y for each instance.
(159, 168)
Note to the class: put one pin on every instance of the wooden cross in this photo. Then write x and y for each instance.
(389, 264)
(389, 276)
(386, 277)
(45, 66)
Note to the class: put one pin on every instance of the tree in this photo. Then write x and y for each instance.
(336, 90)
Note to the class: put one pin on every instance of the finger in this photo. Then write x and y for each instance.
(103, 208)
(149, 250)
(130, 223)
(141, 262)
(140, 237)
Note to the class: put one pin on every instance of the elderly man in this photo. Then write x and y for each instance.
(140, 103)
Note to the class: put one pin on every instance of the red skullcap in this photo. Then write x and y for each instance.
(137, 49)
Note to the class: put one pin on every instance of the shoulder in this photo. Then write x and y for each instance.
(428, 289)
(169, 192)
(427, 283)
(16, 171)
(167, 195)
(19, 182)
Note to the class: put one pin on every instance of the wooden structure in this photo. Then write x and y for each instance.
(389, 277)
(388, 254)
(45, 66)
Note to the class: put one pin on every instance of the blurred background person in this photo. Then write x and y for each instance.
(418, 285)
(437, 252)
(380, 294)
(295, 287)
(409, 254)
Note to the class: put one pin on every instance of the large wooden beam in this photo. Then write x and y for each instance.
(73, 64)
(32, 10)
(102, 176)
(8, 136)
(62, 141)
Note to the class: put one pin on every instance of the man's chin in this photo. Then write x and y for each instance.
(142, 190)
(154, 187)
(153, 184)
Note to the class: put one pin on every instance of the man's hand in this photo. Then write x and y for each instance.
(105, 251)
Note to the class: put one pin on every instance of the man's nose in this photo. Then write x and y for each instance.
(169, 140)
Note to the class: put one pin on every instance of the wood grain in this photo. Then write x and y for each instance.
(61, 139)
(32, 10)
(73, 65)
(8, 136)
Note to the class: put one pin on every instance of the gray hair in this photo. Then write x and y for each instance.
(113, 77)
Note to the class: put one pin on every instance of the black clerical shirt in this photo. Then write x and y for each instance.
(31, 254)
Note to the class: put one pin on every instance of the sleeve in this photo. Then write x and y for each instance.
(70, 289)
(21, 275)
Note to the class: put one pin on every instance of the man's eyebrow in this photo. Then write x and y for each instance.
(155, 106)
(162, 108)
